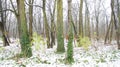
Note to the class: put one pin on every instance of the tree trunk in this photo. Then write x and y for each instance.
(81, 19)
(5, 41)
(2, 26)
(87, 20)
(60, 36)
(111, 32)
(30, 19)
(46, 25)
(116, 22)
(26, 50)
(53, 26)
(108, 34)
(97, 28)
(70, 38)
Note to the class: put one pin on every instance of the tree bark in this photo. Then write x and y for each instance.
(108, 33)
(81, 19)
(30, 19)
(53, 26)
(2, 26)
(70, 37)
(60, 36)
(116, 22)
(87, 19)
(46, 25)
(26, 50)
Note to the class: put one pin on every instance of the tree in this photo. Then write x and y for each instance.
(52, 20)
(26, 50)
(115, 6)
(46, 24)
(60, 37)
(16, 15)
(2, 26)
(87, 20)
(97, 13)
(109, 30)
(30, 19)
(75, 14)
(81, 19)
(70, 38)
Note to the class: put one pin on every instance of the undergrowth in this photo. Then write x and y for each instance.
(37, 40)
(84, 42)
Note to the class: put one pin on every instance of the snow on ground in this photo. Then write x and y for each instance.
(98, 55)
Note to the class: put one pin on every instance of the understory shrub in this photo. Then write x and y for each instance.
(38, 40)
(84, 42)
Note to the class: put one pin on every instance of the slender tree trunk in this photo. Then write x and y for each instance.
(108, 30)
(2, 26)
(85, 24)
(116, 22)
(5, 41)
(46, 24)
(118, 37)
(81, 19)
(97, 28)
(18, 18)
(30, 19)
(53, 26)
(70, 38)
(5, 18)
(107, 33)
(88, 21)
(111, 32)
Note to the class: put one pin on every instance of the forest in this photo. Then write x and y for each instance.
(59, 33)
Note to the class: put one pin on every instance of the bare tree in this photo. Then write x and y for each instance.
(81, 19)
(115, 11)
(46, 24)
(70, 38)
(60, 36)
(52, 20)
(2, 26)
(87, 20)
(109, 29)
(97, 13)
(31, 19)
(24, 35)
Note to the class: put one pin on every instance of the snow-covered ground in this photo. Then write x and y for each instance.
(98, 55)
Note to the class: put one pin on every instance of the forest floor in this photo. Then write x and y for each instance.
(98, 55)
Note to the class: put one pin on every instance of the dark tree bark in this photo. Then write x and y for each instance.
(70, 37)
(30, 19)
(2, 26)
(47, 32)
(116, 21)
(52, 13)
(108, 35)
(81, 19)
(87, 19)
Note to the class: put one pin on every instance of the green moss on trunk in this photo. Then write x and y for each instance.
(60, 38)
(70, 49)
(24, 35)
(69, 58)
(25, 46)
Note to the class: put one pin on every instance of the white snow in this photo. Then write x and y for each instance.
(98, 55)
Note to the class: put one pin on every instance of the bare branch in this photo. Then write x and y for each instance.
(32, 4)
(9, 10)
(13, 8)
